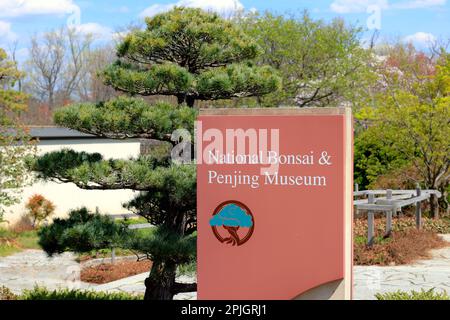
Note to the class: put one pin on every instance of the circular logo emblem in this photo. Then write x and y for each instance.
(232, 223)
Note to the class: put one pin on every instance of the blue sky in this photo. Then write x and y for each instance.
(411, 20)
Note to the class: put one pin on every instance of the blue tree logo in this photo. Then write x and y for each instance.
(236, 220)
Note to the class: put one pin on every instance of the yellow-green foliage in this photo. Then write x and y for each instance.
(41, 293)
(14, 141)
(409, 122)
(413, 295)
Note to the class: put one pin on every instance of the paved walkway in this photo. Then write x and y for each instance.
(29, 268)
(425, 274)
(135, 285)
(26, 269)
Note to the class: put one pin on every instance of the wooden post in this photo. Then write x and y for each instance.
(356, 187)
(388, 216)
(370, 222)
(113, 256)
(418, 209)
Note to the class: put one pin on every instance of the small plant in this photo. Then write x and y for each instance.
(189, 269)
(413, 295)
(40, 293)
(7, 294)
(39, 209)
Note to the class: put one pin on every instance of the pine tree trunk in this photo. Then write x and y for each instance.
(181, 99)
(159, 285)
(190, 101)
(434, 206)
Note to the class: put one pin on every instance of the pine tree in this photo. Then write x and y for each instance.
(186, 53)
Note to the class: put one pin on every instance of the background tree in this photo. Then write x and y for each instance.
(14, 142)
(185, 53)
(375, 157)
(57, 64)
(322, 64)
(411, 120)
(91, 86)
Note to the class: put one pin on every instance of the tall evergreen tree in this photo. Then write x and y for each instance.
(186, 53)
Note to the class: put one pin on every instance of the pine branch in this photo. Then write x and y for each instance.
(125, 118)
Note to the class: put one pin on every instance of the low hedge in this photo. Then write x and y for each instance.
(40, 293)
(413, 295)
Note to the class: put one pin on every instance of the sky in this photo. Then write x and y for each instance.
(418, 21)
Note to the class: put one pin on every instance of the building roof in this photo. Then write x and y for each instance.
(47, 133)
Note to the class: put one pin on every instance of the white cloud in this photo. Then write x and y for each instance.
(223, 7)
(417, 4)
(95, 29)
(358, 6)
(18, 8)
(421, 39)
(355, 6)
(5, 31)
(155, 9)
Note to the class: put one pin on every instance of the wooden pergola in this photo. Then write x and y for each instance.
(389, 202)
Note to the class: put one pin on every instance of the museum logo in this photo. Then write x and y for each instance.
(232, 223)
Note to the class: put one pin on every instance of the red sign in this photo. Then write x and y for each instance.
(274, 203)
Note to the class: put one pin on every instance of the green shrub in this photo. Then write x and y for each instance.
(39, 293)
(413, 295)
(82, 232)
(189, 269)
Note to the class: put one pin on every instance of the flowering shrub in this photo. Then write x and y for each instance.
(39, 209)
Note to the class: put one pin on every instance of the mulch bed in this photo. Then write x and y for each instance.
(406, 244)
(107, 272)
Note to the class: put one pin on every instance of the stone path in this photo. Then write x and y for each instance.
(26, 269)
(425, 274)
(135, 285)
(29, 268)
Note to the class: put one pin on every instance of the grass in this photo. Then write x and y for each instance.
(189, 270)
(12, 242)
(413, 295)
(133, 221)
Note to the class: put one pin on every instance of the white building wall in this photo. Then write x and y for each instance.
(67, 196)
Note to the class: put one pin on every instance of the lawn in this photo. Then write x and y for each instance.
(12, 242)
